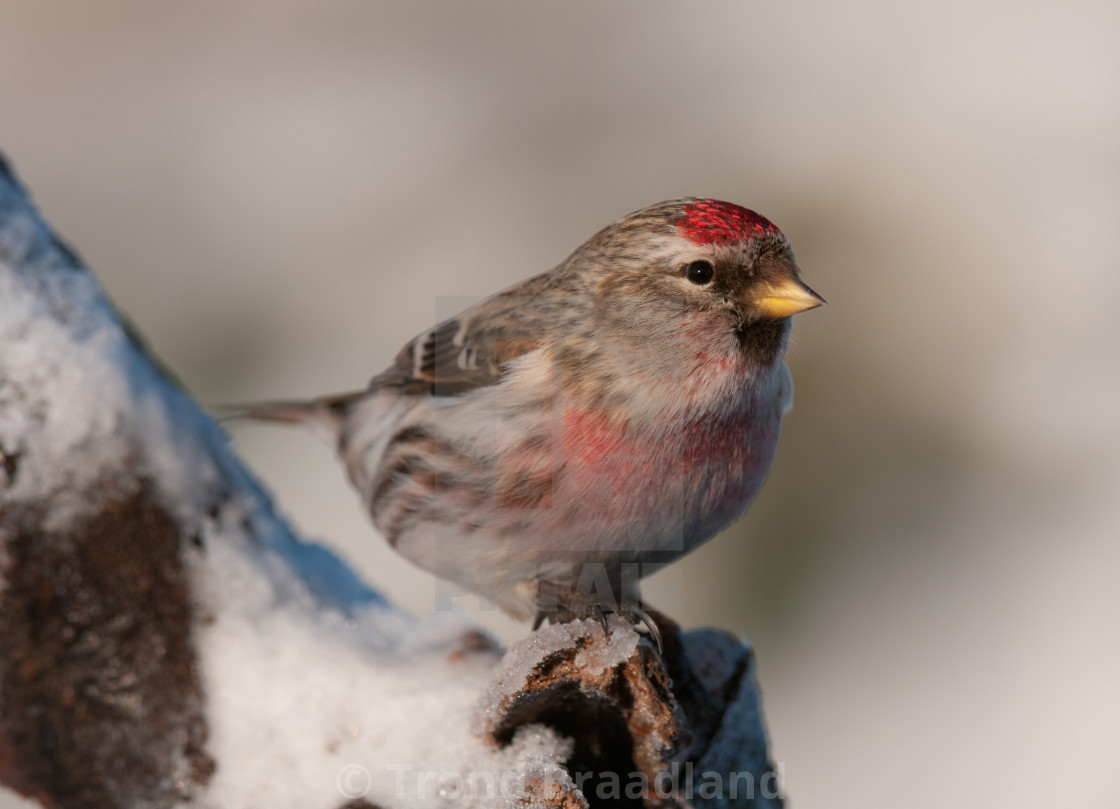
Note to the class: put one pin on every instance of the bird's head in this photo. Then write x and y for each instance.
(700, 258)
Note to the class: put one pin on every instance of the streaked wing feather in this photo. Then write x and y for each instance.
(473, 350)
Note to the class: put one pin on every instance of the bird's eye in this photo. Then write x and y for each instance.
(700, 272)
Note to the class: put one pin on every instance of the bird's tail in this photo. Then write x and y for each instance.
(323, 416)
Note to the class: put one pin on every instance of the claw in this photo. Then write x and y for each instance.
(600, 616)
(538, 621)
(650, 624)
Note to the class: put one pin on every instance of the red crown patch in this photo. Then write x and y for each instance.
(709, 221)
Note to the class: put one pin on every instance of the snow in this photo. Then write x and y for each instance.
(317, 691)
(374, 706)
(60, 385)
(619, 646)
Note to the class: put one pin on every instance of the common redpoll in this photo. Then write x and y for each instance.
(551, 445)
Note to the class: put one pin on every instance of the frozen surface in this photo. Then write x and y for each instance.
(376, 705)
(620, 645)
(525, 656)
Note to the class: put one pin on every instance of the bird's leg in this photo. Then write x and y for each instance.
(561, 605)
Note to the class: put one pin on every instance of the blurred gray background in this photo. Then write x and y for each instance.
(277, 194)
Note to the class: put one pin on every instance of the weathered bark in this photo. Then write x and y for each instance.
(144, 575)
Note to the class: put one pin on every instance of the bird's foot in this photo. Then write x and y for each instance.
(583, 608)
(633, 612)
(564, 616)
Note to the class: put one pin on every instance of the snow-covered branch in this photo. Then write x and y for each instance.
(165, 639)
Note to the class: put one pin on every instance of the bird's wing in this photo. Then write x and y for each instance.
(473, 349)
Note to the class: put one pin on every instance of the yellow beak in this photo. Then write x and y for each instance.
(786, 298)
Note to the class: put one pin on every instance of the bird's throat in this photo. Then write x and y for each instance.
(763, 341)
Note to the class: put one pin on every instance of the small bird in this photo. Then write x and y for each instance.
(553, 444)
